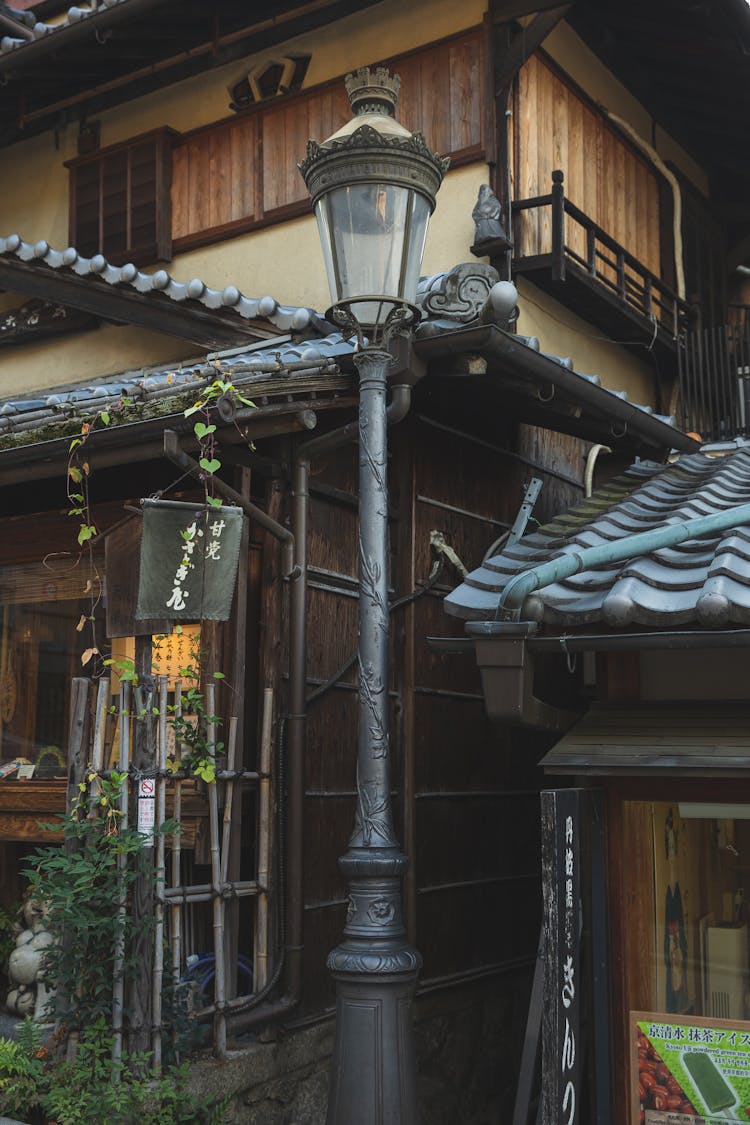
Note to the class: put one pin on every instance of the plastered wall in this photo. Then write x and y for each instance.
(562, 333)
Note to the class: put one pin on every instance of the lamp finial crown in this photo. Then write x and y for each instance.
(373, 91)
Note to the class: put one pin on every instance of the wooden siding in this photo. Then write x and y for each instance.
(467, 806)
(242, 172)
(557, 128)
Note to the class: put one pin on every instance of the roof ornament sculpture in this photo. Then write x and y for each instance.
(490, 237)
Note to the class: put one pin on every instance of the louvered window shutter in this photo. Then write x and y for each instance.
(120, 201)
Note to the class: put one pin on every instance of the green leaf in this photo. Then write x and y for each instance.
(211, 466)
(206, 771)
(201, 430)
(104, 416)
(85, 532)
(214, 501)
(75, 473)
(194, 408)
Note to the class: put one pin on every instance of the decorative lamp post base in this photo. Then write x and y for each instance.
(374, 1075)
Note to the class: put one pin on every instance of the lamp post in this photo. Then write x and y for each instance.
(373, 187)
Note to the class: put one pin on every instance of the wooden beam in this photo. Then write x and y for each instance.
(505, 10)
(525, 44)
(154, 311)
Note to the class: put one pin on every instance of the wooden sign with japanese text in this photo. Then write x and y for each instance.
(561, 1024)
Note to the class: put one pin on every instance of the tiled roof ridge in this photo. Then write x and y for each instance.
(229, 299)
(705, 580)
(253, 370)
(39, 29)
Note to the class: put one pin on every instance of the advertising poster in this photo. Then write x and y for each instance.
(678, 847)
(689, 1071)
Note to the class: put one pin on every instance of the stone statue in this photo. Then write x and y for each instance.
(486, 216)
(28, 994)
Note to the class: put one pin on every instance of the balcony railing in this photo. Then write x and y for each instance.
(555, 241)
(714, 374)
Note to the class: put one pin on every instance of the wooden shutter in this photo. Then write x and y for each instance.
(557, 127)
(120, 203)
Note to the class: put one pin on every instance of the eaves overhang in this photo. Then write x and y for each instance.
(578, 403)
(289, 384)
(99, 54)
(191, 311)
(706, 739)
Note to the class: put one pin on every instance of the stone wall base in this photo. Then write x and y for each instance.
(468, 1038)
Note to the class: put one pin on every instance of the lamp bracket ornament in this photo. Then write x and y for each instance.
(398, 318)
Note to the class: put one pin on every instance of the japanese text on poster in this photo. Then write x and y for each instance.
(690, 1071)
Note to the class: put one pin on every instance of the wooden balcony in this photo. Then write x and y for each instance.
(714, 374)
(566, 254)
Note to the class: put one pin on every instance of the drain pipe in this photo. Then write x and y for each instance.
(516, 591)
(305, 453)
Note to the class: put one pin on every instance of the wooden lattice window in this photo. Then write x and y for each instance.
(120, 201)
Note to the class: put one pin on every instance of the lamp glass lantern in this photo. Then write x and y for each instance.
(373, 186)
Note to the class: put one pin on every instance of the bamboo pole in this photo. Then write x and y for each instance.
(158, 973)
(227, 824)
(220, 1023)
(97, 752)
(118, 992)
(206, 892)
(260, 959)
(175, 909)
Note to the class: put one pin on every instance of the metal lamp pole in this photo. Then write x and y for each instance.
(373, 186)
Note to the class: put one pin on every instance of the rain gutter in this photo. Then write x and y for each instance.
(568, 643)
(492, 342)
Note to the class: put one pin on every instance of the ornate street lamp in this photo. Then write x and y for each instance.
(373, 187)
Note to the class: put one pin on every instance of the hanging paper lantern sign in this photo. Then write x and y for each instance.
(189, 556)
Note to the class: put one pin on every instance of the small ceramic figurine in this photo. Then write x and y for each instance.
(28, 994)
(487, 215)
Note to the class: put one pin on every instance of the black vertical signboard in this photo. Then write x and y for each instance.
(561, 887)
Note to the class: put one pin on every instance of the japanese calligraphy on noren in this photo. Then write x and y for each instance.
(188, 565)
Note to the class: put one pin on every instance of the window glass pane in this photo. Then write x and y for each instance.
(685, 897)
(40, 652)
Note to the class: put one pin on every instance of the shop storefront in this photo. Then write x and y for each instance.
(665, 921)
(633, 610)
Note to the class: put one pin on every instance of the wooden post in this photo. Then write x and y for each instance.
(558, 226)
(237, 672)
(144, 762)
(591, 250)
(78, 737)
(621, 289)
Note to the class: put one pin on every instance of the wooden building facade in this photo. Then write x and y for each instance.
(184, 167)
